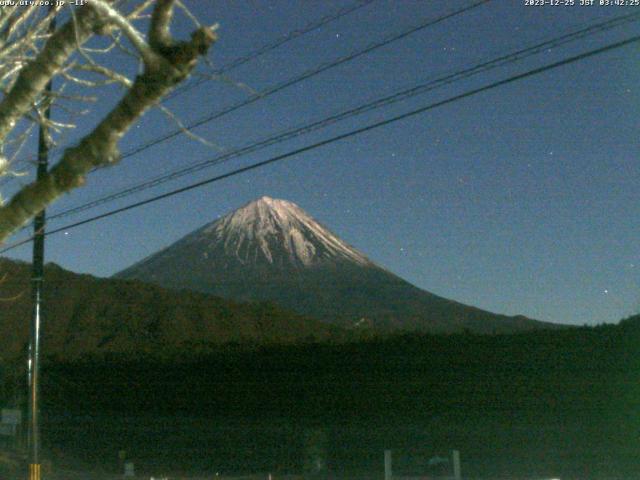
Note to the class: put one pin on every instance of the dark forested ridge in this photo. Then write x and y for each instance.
(90, 316)
(116, 318)
(550, 402)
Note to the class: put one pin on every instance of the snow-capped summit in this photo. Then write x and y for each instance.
(277, 232)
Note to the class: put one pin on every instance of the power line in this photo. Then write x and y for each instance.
(313, 72)
(300, 78)
(378, 103)
(273, 45)
(295, 80)
(233, 64)
(367, 128)
(304, 76)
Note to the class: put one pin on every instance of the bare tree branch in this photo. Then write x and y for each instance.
(111, 15)
(159, 32)
(34, 77)
(166, 63)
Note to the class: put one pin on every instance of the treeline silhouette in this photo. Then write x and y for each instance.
(562, 402)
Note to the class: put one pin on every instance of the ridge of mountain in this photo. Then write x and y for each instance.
(90, 316)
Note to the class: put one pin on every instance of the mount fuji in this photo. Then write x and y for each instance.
(272, 250)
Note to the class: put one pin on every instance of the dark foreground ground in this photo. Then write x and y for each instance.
(560, 404)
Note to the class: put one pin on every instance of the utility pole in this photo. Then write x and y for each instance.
(37, 280)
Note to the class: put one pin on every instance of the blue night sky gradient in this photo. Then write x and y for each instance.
(521, 200)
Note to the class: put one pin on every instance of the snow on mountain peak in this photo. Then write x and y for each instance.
(278, 231)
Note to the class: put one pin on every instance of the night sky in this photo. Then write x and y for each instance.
(521, 200)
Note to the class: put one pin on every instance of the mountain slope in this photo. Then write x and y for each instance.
(85, 315)
(273, 250)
